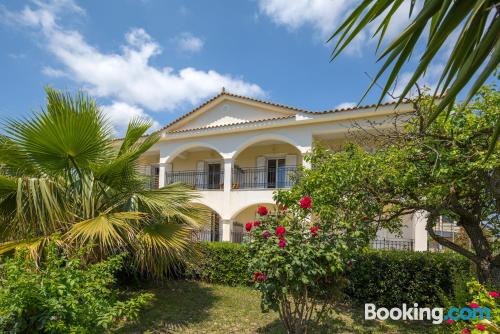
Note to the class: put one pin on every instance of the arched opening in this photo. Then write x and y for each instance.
(245, 215)
(200, 167)
(267, 164)
(212, 229)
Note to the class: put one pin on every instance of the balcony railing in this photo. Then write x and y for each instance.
(206, 235)
(394, 244)
(197, 179)
(264, 178)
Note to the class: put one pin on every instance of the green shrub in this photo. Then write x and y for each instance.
(390, 278)
(222, 263)
(62, 295)
(385, 278)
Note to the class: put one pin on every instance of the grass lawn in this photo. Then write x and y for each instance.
(195, 307)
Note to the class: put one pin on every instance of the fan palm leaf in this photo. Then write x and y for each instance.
(61, 173)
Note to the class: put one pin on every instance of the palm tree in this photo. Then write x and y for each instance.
(63, 177)
(478, 25)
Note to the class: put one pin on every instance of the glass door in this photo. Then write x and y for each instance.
(275, 173)
(214, 176)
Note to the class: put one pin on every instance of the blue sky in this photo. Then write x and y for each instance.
(158, 59)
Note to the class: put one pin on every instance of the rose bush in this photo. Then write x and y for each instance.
(297, 260)
(478, 296)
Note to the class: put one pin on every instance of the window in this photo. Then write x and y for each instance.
(275, 173)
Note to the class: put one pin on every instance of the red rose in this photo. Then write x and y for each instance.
(306, 202)
(259, 277)
(256, 223)
(494, 294)
(282, 243)
(450, 321)
(248, 226)
(262, 210)
(280, 231)
(481, 327)
(465, 331)
(314, 230)
(474, 305)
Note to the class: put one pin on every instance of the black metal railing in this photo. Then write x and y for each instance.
(394, 244)
(206, 235)
(197, 179)
(262, 178)
(237, 236)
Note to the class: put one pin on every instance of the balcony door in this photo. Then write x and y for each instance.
(214, 174)
(275, 173)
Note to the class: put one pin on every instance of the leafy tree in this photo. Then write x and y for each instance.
(476, 22)
(439, 169)
(62, 172)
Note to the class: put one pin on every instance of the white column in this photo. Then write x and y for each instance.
(419, 220)
(228, 169)
(227, 227)
(161, 176)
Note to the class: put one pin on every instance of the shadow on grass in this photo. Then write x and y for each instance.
(347, 319)
(176, 305)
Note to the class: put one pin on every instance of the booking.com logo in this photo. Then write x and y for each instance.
(436, 314)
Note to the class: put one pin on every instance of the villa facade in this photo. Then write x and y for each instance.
(236, 151)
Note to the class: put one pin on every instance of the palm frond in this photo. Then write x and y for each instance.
(110, 232)
(160, 247)
(479, 22)
(71, 134)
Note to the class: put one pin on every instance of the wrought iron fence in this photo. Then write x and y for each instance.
(237, 236)
(197, 179)
(394, 244)
(206, 235)
(262, 178)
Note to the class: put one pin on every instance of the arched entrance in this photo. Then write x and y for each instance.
(212, 229)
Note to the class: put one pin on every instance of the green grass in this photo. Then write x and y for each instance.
(195, 307)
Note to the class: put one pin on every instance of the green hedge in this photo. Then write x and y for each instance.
(220, 262)
(386, 278)
(390, 278)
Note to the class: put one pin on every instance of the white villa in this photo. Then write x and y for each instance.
(237, 150)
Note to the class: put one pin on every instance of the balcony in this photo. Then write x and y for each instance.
(264, 177)
(203, 180)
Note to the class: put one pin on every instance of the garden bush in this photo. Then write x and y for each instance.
(381, 277)
(62, 295)
(391, 278)
(220, 262)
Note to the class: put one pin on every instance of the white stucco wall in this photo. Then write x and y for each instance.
(239, 145)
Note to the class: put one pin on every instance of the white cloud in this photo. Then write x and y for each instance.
(345, 105)
(53, 72)
(126, 76)
(324, 16)
(120, 114)
(189, 43)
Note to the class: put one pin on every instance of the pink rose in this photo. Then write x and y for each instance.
(494, 294)
(481, 327)
(450, 321)
(465, 331)
(474, 305)
(248, 226)
(306, 202)
(266, 234)
(282, 243)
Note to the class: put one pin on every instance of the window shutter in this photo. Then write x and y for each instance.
(260, 176)
(200, 175)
